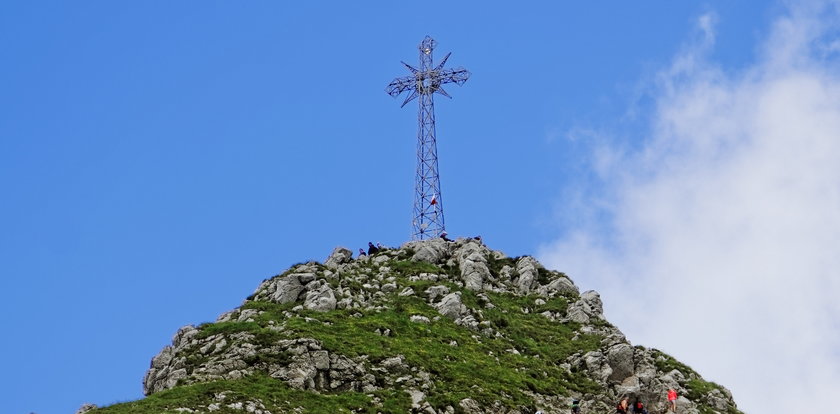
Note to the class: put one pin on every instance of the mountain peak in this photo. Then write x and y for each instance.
(433, 326)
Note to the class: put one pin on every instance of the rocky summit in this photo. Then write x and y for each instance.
(430, 327)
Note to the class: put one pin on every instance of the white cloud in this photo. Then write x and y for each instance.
(722, 245)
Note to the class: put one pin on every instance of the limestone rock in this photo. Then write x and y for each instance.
(436, 291)
(338, 256)
(287, 289)
(416, 398)
(451, 306)
(320, 299)
(560, 285)
(588, 307)
(717, 400)
(474, 271)
(597, 366)
(395, 365)
(527, 267)
(433, 251)
(85, 408)
(620, 360)
(470, 406)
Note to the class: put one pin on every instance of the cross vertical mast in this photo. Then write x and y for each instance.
(424, 83)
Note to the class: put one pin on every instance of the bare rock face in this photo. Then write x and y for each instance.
(472, 262)
(339, 256)
(432, 251)
(589, 307)
(527, 269)
(287, 290)
(620, 360)
(85, 408)
(557, 286)
(458, 280)
(474, 271)
(319, 297)
(470, 406)
(451, 306)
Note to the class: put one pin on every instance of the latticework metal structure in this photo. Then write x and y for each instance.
(424, 83)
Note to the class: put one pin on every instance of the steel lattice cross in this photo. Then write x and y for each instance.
(425, 82)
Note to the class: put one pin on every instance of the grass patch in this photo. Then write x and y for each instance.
(274, 394)
(495, 265)
(556, 304)
(225, 328)
(667, 363)
(479, 367)
(410, 267)
(544, 276)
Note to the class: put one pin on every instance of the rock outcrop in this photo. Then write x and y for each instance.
(486, 304)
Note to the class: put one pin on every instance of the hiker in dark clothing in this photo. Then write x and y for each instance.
(575, 406)
(443, 236)
(361, 252)
(639, 408)
(372, 249)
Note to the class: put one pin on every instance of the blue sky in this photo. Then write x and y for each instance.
(159, 159)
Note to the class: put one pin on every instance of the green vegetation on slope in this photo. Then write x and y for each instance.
(527, 355)
(275, 395)
(456, 357)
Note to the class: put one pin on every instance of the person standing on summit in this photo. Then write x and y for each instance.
(372, 249)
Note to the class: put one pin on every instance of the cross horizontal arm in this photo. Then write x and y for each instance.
(458, 75)
(400, 85)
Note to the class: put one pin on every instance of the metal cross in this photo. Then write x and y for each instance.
(424, 83)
